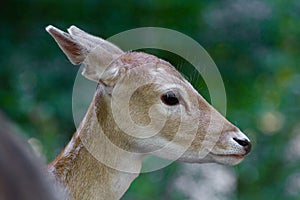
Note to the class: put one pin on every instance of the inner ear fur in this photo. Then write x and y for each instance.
(75, 52)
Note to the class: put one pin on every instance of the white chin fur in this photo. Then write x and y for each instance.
(227, 160)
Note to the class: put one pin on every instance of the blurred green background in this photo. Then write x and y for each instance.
(255, 45)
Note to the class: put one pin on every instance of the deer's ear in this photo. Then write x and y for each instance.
(94, 53)
(91, 41)
(72, 48)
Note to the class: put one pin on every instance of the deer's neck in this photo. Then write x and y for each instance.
(87, 166)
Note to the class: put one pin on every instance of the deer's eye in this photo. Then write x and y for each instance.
(170, 98)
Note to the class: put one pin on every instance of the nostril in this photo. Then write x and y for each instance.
(244, 143)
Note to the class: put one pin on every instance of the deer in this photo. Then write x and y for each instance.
(142, 106)
(22, 173)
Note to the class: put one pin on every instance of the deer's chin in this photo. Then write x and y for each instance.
(227, 159)
(224, 159)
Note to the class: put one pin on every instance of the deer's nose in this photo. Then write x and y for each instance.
(244, 143)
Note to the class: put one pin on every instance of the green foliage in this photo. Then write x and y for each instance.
(255, 45)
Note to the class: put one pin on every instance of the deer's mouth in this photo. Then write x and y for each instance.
(238, 156)
(227, 159)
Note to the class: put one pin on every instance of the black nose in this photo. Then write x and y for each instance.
(244, 143)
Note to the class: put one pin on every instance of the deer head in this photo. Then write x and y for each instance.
(144, 105)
